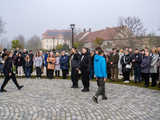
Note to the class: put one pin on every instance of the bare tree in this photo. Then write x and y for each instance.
(21, 40)
(34, 43)
(130, 27)
(133, 26)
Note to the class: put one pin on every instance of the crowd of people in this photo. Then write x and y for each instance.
(143, 64)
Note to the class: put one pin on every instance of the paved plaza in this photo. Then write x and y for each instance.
(44, 99)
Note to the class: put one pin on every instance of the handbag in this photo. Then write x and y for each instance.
(128, 66)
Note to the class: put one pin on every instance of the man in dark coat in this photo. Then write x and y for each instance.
(8, 73)
(114, 65)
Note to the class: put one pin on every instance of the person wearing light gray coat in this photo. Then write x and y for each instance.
(154, 67)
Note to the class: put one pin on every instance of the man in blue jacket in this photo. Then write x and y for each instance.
(100, 73)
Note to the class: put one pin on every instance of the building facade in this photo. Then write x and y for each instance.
(52, 38)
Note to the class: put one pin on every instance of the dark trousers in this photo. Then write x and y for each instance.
(57, 73)
(85, 79)
(137, 74)
(126, 75)
(6, 80)
(101, 87)
(38, 71)
(64, 73)
(154, 79)
(145, 77)
(50, 74)
(114, 73)
(47, 71)
(91, 75)
(74, 77)
(28, 71)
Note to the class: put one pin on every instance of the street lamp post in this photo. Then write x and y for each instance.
(72, 28)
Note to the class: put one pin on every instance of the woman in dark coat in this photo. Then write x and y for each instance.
(85, 63)
(8, 73)
(126, 66)
(75, 59)
(145, 68)
(64, 64)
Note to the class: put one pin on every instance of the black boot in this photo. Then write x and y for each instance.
(20, 87)
(104, 98)
(85, 90)
(3, 90)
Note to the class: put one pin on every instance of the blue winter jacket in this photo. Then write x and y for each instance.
(100, 67)
(64, 62)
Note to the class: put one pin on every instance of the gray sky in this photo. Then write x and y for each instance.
(29, 17)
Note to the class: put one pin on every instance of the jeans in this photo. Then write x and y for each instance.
(137, 74)
(28, 72)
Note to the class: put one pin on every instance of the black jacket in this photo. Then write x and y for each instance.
(138, 60)
(85, 62)
(19, 61)
(126, 59)
(75, 60)
(8, 68)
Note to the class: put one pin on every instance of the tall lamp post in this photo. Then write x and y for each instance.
(72, 28)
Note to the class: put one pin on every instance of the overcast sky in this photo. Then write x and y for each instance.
(29, 17)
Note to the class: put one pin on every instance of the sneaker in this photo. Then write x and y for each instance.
(94, 98)
(127, 81)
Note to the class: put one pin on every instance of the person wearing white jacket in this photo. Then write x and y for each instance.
(119, 62)
(38, 64)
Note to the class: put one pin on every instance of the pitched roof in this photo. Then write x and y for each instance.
(106, 34)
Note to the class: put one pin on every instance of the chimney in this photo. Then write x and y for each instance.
(90, 30)
(84, 30)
